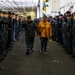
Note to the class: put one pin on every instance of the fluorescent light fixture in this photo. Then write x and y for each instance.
(19, 6)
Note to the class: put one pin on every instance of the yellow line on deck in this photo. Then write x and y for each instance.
(52, 41)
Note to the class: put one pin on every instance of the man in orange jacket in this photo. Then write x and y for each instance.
(45, 32)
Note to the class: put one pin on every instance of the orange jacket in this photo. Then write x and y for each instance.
(45, 29)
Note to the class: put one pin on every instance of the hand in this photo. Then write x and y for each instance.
(36, 34)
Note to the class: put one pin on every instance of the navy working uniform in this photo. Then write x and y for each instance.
(30, 28)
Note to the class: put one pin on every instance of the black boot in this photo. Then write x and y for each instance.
(27, 52)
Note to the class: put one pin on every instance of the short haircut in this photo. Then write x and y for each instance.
(44, 16)
(68, 12)
(9, 12)
(0, 11)
(28, 17)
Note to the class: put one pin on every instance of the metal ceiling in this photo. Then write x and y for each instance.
(18, 6)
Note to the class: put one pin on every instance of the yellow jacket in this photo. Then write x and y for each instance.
(45, 29)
